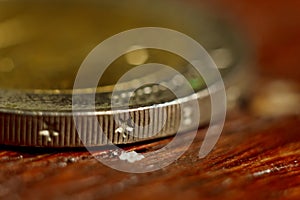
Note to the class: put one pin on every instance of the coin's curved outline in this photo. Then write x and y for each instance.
(21, 126)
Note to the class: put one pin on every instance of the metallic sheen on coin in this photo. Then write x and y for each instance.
(43, 43)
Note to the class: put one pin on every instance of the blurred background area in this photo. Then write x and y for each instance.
(273, 27)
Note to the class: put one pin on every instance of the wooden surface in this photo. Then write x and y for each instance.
(255, 158)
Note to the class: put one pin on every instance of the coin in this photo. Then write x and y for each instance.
(43, 44)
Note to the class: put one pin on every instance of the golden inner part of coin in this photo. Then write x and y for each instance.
(43, 43)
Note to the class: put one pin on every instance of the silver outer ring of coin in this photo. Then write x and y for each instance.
(57, 129)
